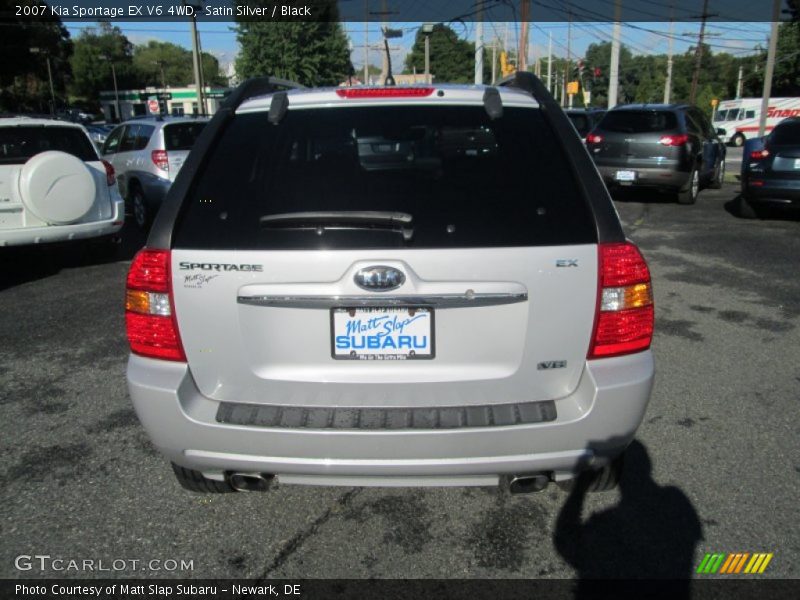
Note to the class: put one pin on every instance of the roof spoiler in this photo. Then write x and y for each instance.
(257, 86)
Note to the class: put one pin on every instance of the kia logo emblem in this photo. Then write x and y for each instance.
(379, 278)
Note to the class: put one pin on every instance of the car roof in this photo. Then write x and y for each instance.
(645, 106)
(445, 94)
(18, 120)
(160, 122)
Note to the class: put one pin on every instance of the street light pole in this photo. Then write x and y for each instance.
(49, 78)
(196, 58)
(773, 43)
(116, 92)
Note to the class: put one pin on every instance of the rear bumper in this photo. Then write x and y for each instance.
(774, 192)
(65, 233)
(646, 177)
(594, 424)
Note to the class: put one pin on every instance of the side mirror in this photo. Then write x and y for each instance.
(720, 131)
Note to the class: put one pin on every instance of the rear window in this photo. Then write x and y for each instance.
(465, 180)
(785, 134)
(581, 122)
(639, 121)
(182, 136)
(18, 144)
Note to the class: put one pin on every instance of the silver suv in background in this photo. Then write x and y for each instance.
(398, 286)
(53, 185)
(147, 155)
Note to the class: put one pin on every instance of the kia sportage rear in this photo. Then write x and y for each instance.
(389, 286)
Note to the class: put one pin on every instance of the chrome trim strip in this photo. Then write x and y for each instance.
(434, 301)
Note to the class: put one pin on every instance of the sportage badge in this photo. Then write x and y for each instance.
(379, 278)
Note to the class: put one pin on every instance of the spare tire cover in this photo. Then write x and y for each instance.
(57, 187)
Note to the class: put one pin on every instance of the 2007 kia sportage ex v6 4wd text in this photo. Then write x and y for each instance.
(389, 286)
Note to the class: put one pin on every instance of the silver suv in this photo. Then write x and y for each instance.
(389, 286)
(53, 186)
(147, 155)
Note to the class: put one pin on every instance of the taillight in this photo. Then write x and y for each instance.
(759, 154)
(624, 319)
(149, 308)
(160, 159)
(594, 138)
(387, 92)
(110, 174)
(674, 140)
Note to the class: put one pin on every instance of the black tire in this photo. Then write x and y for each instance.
(689, 195)
(599, 480)
(195, 482)
(738, 140)
(745, 209)
(142, 215)
(719, 176)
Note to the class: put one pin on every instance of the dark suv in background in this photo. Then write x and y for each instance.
(666, 146)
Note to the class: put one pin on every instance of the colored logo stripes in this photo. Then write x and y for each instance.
(734, 563)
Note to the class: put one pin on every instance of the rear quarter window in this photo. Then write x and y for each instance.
(182, 136)
(18, 144)
(639, 121)
(786, 134)
(466, 180)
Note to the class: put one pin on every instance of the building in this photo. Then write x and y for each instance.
(176, 101)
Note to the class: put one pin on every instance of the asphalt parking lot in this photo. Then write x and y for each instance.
(716, 465)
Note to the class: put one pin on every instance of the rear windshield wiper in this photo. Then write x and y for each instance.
(350, 219)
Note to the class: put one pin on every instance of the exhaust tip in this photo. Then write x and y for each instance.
(250, 482)
(527, 484)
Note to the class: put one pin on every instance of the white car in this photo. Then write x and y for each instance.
(53, 185)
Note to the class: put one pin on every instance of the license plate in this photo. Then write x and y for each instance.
(625, 176)
(390, 333)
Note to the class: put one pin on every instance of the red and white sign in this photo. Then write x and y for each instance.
(153, 106)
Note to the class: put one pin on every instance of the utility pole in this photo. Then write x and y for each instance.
(196, 59)
(569, 60)
(613, 82)
(550, 61)
(740, 82)
(773, 43)
(366, 42)
(494, 61)
(668, 83)
(522, 50)
(698, 53)
(479, 46)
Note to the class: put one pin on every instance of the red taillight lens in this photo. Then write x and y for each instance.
(624, 319)
(149, 309)
(674, 140)
(110, 174)
(160, 159)
(759, 154)
(594, 138)
(387, 92)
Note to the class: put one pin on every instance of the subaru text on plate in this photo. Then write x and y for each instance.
(389, 286)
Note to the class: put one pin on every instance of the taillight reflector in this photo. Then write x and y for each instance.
(160, 159)
(110, 173)
(387, 92)
(624, 315)
(674, 140)
(149, 308)
(594, 138)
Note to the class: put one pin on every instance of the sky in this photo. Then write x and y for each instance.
(219, 38)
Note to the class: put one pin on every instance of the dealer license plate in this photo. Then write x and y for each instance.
(625, 176)
(382, 333)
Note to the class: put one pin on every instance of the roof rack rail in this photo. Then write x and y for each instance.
(595, 192)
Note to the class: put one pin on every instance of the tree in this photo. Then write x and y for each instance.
(311, 53)
(153, 59)
(452, 59)
(24, 82)
(786, 80)
(95, 51)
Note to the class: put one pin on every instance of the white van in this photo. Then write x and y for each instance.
(739, 118)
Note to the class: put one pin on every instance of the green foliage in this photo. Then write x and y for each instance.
(787, 61)
(95, 51)
(452, 59)
(311, 53)
(24, 82)
(177, 65)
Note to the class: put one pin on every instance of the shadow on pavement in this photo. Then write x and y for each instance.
(651, 533)
(771, 212)
(19, 265)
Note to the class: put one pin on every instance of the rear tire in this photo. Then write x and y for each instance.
(689, 195)
(600, 480)
(745, 209)
(194, 481)
(142, 215)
